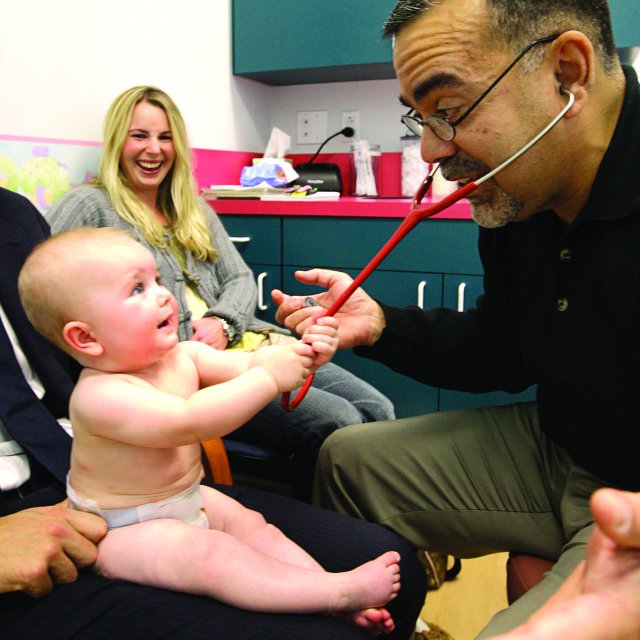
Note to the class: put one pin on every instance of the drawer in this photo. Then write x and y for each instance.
(461, 291)
(257, 238)
(396, 288)
(434, 245)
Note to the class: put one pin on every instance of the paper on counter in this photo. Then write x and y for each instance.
(288, 197)
(237, 191)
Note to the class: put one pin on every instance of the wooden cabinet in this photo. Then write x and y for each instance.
(283, 42)
(437, 264)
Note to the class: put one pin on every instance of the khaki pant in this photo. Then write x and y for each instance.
(466, 483)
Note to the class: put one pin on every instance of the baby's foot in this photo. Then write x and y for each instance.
(376, 621)
(371, 585)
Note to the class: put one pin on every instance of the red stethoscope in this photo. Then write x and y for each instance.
(416, 214)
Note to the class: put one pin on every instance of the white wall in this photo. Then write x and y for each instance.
(62, 62)
(377, 101)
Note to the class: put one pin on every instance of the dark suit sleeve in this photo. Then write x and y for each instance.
(22, 227)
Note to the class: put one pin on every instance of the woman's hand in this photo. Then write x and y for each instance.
(209, 330)
(361, 318)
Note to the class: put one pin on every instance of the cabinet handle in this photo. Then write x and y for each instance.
(461, 288)
(259, 281)
(421, 287)
(240, 239)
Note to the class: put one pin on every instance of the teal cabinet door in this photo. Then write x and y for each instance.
(461, 293)
(393, 287)
(283, 42)
(268, 277)
(257, 238)
(436, 246)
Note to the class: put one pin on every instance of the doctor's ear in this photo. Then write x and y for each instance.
(575, 63)
(79, 337)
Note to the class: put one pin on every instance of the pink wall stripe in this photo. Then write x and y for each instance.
(84, 143)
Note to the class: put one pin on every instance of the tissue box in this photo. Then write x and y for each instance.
(256, 161)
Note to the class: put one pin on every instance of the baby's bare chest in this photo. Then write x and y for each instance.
(179, 378)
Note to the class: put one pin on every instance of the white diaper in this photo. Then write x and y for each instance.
(185, 506)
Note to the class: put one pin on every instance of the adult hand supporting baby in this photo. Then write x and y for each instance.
(44, 546)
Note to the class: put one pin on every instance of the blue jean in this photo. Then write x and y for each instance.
(336, 399)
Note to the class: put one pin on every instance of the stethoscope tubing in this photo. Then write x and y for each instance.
(417, 214)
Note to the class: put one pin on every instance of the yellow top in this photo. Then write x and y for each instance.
(250, 340)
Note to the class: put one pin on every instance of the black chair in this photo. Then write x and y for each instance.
(267, 469)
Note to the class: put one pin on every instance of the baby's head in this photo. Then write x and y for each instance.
(95, 293)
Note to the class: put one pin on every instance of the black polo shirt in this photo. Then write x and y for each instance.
(560, 309)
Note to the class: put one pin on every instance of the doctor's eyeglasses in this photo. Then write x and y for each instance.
(441, 126)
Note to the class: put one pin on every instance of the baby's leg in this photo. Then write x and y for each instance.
(226, 514)
(249, 526)
(173, 555)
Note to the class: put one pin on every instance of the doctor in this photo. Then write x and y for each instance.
(559, 236)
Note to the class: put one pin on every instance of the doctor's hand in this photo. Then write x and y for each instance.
(361, 318)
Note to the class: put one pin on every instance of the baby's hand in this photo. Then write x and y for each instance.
(289, 366)
(322, 336)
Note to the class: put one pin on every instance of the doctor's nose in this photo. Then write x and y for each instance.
(433, 149)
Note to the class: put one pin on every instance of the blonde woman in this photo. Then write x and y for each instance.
(145, 185)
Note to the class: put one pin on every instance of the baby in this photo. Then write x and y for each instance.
(142, 405)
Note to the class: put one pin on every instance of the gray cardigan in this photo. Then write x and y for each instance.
(226, 285)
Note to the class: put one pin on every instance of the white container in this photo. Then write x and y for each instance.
(364, 169)
(414, 168)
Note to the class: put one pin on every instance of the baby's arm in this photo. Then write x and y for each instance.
(288, 365)
(123, 408)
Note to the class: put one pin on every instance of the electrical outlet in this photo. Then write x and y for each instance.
(312, 127)
(351, 119)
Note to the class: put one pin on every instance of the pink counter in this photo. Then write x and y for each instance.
(345, 206)
(224, 167)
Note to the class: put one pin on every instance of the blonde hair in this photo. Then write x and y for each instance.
(47, 278)
(177, 196)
